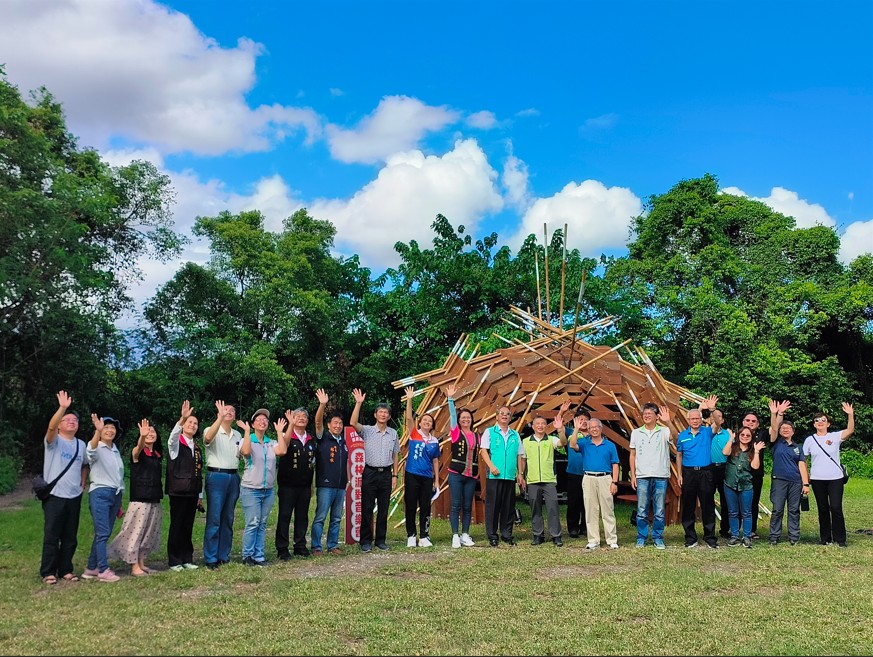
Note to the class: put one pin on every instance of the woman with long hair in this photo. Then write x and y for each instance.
(421, 474)
(140, 532)
(463, 470)
(184, 484)
(826, 475)
(743, 457)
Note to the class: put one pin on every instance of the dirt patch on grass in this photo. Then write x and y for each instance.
(585, 572)
(17, 498)
(365, 565)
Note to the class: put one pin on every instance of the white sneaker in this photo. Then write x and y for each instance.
(410, 542)
(425, 542)
(456, 541)
(177, 569)
(190, 566)
(466, 541)
(613, 546)
(592, 546)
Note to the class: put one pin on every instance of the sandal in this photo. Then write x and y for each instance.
(49, 579)
(70, 577)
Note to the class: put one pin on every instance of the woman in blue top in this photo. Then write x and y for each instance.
(421, 476)
(790, 478)
(256, 488)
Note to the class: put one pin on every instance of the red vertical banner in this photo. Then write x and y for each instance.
(354, 505)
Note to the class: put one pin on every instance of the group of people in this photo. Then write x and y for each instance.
(709, 459)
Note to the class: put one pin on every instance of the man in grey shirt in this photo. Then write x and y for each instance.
(61, 509)
(381, 449)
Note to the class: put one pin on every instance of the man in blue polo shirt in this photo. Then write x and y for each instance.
(694, 463)
(600, 463)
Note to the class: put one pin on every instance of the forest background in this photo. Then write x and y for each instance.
(727, 296)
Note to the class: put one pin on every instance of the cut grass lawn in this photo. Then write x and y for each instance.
(524, 600)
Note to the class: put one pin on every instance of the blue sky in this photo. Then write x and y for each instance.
(500, 115)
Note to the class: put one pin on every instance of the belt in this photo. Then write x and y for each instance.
(597, 474)
(383, 468)
(718, 465)
(697, 467)
(223, 470)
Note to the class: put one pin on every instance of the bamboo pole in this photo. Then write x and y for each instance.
(576, 316)
(563, 278)
(539, 296)
(587, 363)
(533, 397)
(546, 265)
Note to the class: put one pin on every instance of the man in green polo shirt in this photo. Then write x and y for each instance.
(542, 481)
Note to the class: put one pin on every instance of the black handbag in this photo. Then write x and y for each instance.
(842, 467)
(42, 488)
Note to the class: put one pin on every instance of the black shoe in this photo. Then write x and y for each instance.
(508, 541)
(302, 552)
(222, 562)
(842, 545)
(366, 547)
(248, 561)
(574, 534)
(212, 566)
(747, 541)
(793, 542)
(558, 542)
(383, 546)
(712, 546)
(537, 540)
(285, 556)
(774, 543)
(493, 542)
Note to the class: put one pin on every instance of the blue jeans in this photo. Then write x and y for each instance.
(461, 489)
(327, 499)
(222, 493)
(739, 504)
(257, 504)
(651, 490)
(104, 504)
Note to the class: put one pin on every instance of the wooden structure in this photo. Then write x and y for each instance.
(536, 375)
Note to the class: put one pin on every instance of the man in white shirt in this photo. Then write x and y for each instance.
(650, 471)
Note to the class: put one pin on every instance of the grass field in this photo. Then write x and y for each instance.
(524, 600)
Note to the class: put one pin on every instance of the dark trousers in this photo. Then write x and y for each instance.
(293, 500)
(829, 500)
(575, 505)
(757, 485)
(697, 487)
(375, 489)
(782, 493)
(499, 508)
(180, 546)
(417, 494)
(60, 530)
(718, 486)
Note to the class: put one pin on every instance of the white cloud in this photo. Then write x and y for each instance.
(403, 200)
(336, 92)
(598, 124)
(857, 240)
(396, 125)
(272, 196)
(143, 72)
(790, 204)
(515, 181)
(851, 196)
(124, 156)
(483, 120)
(597, 217)
(530, 111)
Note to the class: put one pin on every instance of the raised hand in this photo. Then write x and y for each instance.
(280, 425)
(187, 411)
(358, 396)
(759, 446)
(730, 435)
(848, 408)
(98, 422)
(783, 406)
(664, 414)
(144, 428)
(64, 400)
(410, 391)
(577, 422)
(451, 389)
(773, 405)
(564, 408)
(244, 426)
(221, 408)
(322, 397)
(711, 402)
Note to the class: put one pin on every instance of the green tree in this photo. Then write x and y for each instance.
(71, 231)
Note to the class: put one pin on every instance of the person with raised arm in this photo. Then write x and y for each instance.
(331, 476)
(743, 457)
(63, 459)
(463, 469)
(650, 471)
(259, 453)
(421, 474)
(541, 478)
(790, 476)
(183, 486)
(104, 493)
(694, 466)
(221, 444)
(600, 459)
(501, 450)
(294, 474)
(575, 476)
(381, 465)
(827, 475)
(140, 533)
